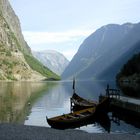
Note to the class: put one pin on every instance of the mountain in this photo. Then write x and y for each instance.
(54, 60)
(119, 63)
(16, 60)
(100, 55)
(130, 70)
(128, 79)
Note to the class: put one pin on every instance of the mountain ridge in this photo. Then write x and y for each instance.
(93, 55)
(52, 59)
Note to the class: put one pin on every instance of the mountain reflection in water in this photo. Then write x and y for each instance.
(16, 98)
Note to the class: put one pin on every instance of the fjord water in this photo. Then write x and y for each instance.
(30, 102)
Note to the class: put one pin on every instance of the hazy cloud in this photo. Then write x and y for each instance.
(34, 38)
(65, 42)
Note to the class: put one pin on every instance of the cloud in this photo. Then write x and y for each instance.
(66, 42)
(34, 38)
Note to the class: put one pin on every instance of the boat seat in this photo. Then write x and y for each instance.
(81, 115)
(72, 116)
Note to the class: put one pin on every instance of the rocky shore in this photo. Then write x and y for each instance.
(22, 132)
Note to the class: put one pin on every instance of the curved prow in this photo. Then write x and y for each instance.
(46, 117)
(73, 85)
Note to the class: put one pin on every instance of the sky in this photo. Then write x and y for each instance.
(63, 25)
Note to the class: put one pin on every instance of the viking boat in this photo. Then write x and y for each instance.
(80, 102)
(73, 120)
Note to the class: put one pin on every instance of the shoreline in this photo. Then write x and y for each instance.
(24, 132)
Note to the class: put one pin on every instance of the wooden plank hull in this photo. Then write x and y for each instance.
(73, 120)
(82, 103)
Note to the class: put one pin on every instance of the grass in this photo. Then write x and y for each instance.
(37, 66)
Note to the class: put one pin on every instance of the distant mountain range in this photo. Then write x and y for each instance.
(54, 60)
(104, 52)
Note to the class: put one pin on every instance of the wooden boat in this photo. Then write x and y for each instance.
(72, 120)
(78, 118)
(80, 102)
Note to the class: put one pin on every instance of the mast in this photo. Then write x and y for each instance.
(74, 85)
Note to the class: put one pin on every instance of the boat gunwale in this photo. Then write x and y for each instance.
(79, 101)
(91, 111)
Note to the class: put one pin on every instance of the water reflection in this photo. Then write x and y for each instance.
(120, 124)
(15, 98)
(51, 99)
(56, 101)
(89, 89)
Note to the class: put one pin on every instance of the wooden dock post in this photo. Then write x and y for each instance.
(107, 90)
(112, 93)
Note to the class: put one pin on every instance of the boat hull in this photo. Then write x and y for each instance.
(81, 103)
(71, 124)
(63, 122)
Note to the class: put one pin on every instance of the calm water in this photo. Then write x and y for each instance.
(30, 102)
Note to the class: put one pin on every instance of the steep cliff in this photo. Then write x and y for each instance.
(12, 23)
(100, 55)
(15, 55)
